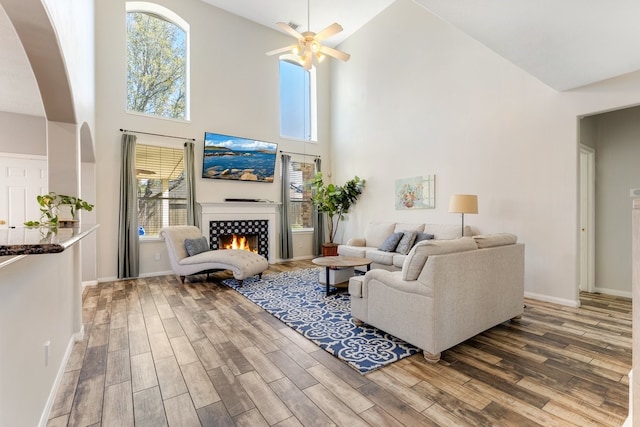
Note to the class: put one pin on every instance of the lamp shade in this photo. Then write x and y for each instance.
(463, 203)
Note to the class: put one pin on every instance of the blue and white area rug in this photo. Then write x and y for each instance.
(296, 298)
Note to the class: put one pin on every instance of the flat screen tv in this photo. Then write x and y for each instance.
(234, 158)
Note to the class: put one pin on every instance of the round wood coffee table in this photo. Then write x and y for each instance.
(337, 262)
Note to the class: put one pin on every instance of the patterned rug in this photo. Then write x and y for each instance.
(296, 298)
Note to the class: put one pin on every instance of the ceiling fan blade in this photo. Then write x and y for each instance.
(282, 50)
(288, 29)
(338, 54)
(332, 29)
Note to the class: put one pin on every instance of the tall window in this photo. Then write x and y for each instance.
(157, 61)
(162, 188)
(301, 208)
(297, 102)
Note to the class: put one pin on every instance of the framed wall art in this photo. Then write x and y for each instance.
(418, 192)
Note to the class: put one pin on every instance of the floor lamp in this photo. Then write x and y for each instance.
(463, 204)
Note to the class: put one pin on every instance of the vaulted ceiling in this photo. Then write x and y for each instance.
(565, 44)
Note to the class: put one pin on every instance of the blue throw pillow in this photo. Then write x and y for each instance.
(423, 236)
(196, 246)
(390, 244)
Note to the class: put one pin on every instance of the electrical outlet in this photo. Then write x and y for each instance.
(157, 256)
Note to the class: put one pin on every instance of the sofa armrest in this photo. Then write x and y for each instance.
(356, 241)
(393, 279)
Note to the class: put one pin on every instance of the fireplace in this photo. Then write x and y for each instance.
(251, 233)
(221, 214)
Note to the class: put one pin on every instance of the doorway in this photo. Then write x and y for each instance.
(587, 216)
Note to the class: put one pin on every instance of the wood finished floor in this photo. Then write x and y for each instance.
(160, 353)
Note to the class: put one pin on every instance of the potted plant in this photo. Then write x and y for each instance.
(334, 201)
(50, 206)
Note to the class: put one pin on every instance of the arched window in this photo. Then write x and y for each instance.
(157, 61)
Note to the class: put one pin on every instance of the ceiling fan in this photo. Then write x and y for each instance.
(309, 44)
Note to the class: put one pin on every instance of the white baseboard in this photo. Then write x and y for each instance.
(89, 283)
(614, 292)
(299, 258)
(44, 418)
(157, 273)
(547, 298)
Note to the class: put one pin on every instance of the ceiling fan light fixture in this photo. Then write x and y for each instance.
(310, 43)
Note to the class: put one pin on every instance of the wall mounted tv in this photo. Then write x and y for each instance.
(233, 158)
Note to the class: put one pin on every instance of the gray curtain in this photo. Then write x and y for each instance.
(318, 221)
(193, 214)
(286, 240)
(128, 243)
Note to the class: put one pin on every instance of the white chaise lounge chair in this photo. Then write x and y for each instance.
(242, 263)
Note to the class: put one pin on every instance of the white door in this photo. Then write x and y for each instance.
(587, 216)
(21, 180)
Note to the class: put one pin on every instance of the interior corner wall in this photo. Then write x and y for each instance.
(431, 100)
(234, 90)
(617, 172)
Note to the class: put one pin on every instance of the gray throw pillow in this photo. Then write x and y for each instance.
(196, 246)
(423, 236)
(389, 245)
(405, 244)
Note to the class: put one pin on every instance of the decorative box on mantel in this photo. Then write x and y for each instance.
(220, 211)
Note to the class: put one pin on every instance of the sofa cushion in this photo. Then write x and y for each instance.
(380, 257)
(446, 231)
(418, 256)
(398, 260)
(406, 242)
(377, 232)
(403, 226)
(492, 240)
(391, 242)
(356, 251)
(196, 246)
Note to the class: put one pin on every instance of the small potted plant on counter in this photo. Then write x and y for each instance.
(52, 205)
(334, 201)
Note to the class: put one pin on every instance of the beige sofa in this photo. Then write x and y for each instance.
(378, 232)
(447, 291)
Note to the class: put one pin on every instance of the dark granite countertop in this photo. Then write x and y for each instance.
(40, 240)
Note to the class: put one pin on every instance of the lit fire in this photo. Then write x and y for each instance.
(240, 243)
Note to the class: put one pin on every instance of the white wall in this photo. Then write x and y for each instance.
(234, 90)
(23, 134)
(429, 99)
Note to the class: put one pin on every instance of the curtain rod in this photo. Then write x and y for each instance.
(301, 154)
(158, 134)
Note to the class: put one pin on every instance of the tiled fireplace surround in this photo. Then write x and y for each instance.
(242, 211)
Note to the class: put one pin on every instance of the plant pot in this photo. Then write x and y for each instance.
(329, 249)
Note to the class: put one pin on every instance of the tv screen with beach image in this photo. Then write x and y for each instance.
(234, 158)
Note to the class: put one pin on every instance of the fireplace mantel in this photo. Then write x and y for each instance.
(217, 211)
